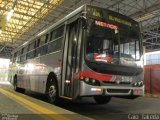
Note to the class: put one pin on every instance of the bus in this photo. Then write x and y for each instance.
(92, 52)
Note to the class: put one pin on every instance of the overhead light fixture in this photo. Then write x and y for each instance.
(0, 31)
(9, 15)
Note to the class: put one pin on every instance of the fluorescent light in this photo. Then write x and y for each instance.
(9, 15)
(0, 31)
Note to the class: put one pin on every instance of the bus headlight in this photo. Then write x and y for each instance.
(92, 81)
(138, 84)
(86, 80)
(135, 84)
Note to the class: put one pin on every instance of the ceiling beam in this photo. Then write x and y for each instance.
(151, 33)
(2, 49)
(116, 3)
(150, 9)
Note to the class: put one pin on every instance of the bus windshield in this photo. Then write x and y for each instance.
(112, 44)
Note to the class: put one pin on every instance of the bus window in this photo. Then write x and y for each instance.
(137, 50)
(31, 50)
(46, 39)
(14, 57)
(23, 54)
(45, 47)
(55, 45)
(18, 56)
(57, 33)
(21, 58)
(41, 47)
(37, 47)
(42, 40)
(22, 51)
(25, 50)
(31, 46)
(52, 35)
(57, 36)
(37, 43)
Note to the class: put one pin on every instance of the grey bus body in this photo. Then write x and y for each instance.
(60, 52)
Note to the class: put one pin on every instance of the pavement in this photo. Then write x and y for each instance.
(14, 105)
(142, 108)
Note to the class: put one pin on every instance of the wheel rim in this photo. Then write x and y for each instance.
(52, 92)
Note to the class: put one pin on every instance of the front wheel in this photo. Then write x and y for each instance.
(52, 93)
(102, 99)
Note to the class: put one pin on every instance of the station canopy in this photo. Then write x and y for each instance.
(22, 19)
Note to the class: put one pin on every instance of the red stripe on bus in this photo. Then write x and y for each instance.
(93, 75)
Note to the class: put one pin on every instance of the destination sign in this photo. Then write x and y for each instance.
(104, 24)
(109, 15)
(95, 12)
(119, 20)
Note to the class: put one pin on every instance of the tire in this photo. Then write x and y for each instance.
(102, 99)
(52, 92)
(17, 89)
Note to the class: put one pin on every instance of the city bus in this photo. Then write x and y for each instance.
(92, 52)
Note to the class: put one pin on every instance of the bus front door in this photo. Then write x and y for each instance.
(70, 60)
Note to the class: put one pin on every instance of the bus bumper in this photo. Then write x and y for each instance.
(89, 90)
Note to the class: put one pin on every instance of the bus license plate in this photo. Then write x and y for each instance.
(137, 92)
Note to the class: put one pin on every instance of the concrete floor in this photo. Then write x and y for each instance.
(20, 106)
(117, 109)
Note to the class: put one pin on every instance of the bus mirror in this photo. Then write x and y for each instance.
(84, 22)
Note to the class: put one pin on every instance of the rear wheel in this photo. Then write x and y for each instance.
(17, 89)
(102, 99)
(52, 92)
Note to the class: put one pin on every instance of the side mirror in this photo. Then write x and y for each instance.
(84, 22)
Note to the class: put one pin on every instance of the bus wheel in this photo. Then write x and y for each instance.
(17, 88)
(102, 99)
(52, 93)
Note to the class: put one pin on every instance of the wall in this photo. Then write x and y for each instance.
(4, 63)
(152, 79)
(152, 58)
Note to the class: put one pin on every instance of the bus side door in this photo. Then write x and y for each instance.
(70, 61)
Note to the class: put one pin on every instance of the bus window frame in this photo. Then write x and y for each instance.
(48, 40)
(31, 49)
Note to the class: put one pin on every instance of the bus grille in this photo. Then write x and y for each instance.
(112, 83)
(118, 90)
